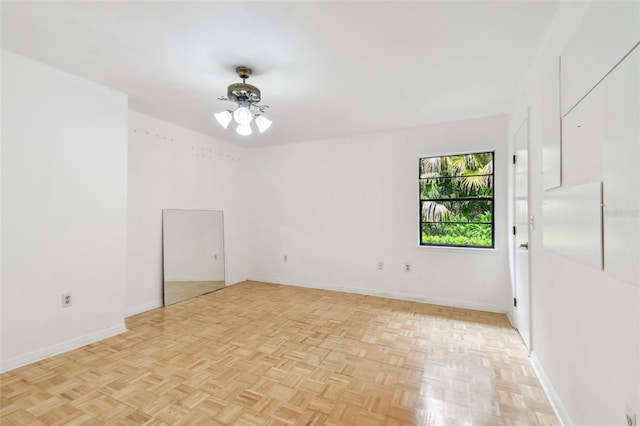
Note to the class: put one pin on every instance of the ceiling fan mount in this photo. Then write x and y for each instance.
(243, 72)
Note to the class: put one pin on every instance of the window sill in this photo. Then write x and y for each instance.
(470, 250)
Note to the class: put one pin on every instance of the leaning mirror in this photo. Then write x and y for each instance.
(193, 253)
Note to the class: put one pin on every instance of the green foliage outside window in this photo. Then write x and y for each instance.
(456, 200)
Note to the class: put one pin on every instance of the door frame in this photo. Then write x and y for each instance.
(526, 298)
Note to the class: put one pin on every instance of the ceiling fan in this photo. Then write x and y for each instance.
(246, 97)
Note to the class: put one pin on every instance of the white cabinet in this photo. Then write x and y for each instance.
(600, 142)
(597, 46)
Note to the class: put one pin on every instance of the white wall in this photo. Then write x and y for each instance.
(337, 207)
(64, 195)
(171, 167)
(585, 323)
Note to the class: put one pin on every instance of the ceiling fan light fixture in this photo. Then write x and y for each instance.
(224, 118)
(245, 96)
(244, 129)
(242, 115)
(263, 123)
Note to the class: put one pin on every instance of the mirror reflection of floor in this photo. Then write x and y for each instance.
(177, 291)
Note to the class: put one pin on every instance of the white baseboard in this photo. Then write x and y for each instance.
(234, 281)
(40, 354)
(456, 303)
(556, 403)
(134, 310)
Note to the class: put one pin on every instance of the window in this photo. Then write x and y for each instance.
(456, 200)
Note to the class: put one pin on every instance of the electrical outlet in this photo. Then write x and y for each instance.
(630, 417)
(380, 266)
(407, 267)
(66, 300)
(285, 258)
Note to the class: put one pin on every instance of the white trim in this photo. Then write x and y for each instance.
(554, 398)
(412, 297)
(134, 310)
(75, 343)
(469, 152)
(491, 251)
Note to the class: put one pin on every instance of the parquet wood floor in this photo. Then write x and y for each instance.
(264, 354)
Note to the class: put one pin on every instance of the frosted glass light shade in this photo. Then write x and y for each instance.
(244, 129)
(224, 118)
(242, 115)
(263, 123)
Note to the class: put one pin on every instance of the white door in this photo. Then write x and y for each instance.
(521, 240)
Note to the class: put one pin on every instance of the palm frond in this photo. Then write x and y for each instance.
(474, 182)
(434, 212)
(430, 167)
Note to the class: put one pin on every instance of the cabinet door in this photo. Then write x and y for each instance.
(620, 159)
(597, 46)
(551, 142)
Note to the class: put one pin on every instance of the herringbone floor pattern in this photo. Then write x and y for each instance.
(263, 354)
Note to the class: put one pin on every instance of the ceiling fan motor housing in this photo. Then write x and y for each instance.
(243, 92)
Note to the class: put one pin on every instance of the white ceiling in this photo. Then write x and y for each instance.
(326, 68)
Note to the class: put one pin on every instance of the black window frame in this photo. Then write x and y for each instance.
(490, 200)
